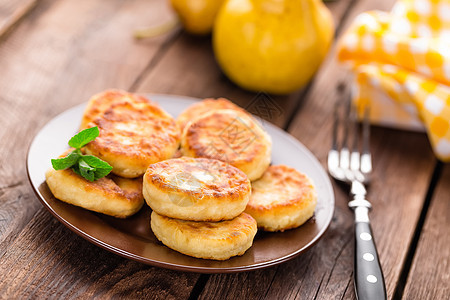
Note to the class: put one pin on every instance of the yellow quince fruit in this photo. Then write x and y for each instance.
(274, 46)
(197, 16)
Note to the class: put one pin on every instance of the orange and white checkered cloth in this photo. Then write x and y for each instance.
(402, 64)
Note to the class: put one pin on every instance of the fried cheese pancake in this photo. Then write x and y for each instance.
(208, 240)
(230, 136)
(205, 106)
(111, 195)
(197, 189)
(100, 102)
(134, 135)
(281, 199)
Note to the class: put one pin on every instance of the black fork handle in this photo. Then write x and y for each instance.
(369, 279)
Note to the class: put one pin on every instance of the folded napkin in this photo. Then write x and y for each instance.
(401, 62)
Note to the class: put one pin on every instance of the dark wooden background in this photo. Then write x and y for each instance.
(56, 54)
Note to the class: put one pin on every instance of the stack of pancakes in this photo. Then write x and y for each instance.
(206, 175)
(198, 207)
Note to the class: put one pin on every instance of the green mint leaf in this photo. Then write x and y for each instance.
(65, 162)
(100, 173)
(102, 168)
(83, 165)
(83, 137)
(95, 162)
(86, 171)
(87, 166)
(76, 169)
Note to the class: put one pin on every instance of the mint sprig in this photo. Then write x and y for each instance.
(83, 137)
(87, 166)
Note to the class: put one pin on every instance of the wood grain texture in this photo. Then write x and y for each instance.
(64, 51)
(55, 263)
(430, 272)
(394, 160)
(61, 54)
(12, 11)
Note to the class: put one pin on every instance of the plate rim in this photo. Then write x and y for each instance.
(182, 267)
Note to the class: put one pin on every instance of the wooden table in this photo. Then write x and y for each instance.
(56, 54)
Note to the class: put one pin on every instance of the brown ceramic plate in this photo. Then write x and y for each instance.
(133, 238)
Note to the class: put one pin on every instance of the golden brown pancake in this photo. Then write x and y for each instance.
(281, 199)
(100, 102)
(205, 106)
(208, 240)
(134, 135)
(231, 136)
(111, 195)
(196, 189)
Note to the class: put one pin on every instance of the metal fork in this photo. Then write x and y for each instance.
(347, 164)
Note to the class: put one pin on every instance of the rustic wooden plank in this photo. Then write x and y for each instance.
(61, 54)
(58, 264)
(393, 158)
(430, 271)
(325, 272)
(12, 11)
(334, 254)
(111, 275)
(17, 253)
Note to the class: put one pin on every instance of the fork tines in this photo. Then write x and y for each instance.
(349, 157)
